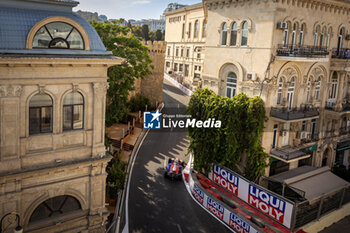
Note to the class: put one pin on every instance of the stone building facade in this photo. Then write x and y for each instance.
(53, 82)
(185, 35)
(293, 54)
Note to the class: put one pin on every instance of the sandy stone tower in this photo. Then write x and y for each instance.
(152, 85)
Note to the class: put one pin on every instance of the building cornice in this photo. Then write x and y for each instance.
(184, 9)
(33, 61)
(322, 5)
(53, 167)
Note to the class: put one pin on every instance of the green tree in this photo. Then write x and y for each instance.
(152, 35)
(236, 144)
(159, 35)
(145, 32)
(137, 31)
(124, 44)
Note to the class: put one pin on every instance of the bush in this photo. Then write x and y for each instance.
(116, 176)
(139, 102)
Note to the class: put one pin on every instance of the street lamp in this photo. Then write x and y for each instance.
(18, 229)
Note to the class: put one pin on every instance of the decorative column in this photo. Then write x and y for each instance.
(98, 118)
(341, 87)
(9, 122)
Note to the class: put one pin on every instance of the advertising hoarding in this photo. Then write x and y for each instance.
(263, 200)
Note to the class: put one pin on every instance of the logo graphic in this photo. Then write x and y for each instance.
(267, 203)
(225, 179)
(151, 120)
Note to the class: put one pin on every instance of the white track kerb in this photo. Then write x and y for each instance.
(126, 227)
(187, 170)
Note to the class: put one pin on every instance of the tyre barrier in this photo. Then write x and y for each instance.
(217, 206)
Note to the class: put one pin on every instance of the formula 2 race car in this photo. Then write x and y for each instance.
(174, 169)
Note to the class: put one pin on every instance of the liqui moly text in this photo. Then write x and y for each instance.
(198, 194)
(267, 203)
(215, 208)
(238, 224)
(225, 179)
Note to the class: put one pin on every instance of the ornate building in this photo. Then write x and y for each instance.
(293, 54)
(53, 82)
(185, 35)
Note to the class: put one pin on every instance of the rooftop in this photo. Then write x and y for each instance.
(17, 17)
(315, 182)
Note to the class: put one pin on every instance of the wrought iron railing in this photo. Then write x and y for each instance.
(306, 212)
(330, 105)
(344, 130)
(301, 51)
(341, 53)
(293, 114)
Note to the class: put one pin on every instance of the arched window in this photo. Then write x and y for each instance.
(290, 94)
(334, 87)
(316, 35)
(224, 34)
(317, 88)
(301, 34)
(294, 34)
(285, 35)
(323, 32)
(73, 111)
(189, 30)
(279, 92)
(244, 37)
(231, 85)
(328, 38)
(340, 39)
(233, 39)
(55, 207)
(40, 114)
(308, 90)
(196, 28)
(204, 31)
(58, 35)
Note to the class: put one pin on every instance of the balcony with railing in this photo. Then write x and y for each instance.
(286, 114)
(331, 105)
(302, 51)
(341, 53)
(344, 130)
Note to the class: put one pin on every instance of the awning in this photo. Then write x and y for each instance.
(343, 145)
(309, 149)
(288, 153)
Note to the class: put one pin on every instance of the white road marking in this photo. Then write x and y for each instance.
(178, 227)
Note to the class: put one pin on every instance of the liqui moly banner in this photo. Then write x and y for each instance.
(225, 179)
(214, 207)
(198, 194)
(238, 224)
(265, 201)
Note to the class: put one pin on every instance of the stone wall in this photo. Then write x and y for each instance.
(151, 86)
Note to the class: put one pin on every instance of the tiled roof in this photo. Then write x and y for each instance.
(15, 25)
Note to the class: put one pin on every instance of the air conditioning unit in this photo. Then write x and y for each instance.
(282, 25)
(347, 37)
(251, 76)
(303, 135)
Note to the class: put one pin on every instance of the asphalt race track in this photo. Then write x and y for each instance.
(157, 204)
